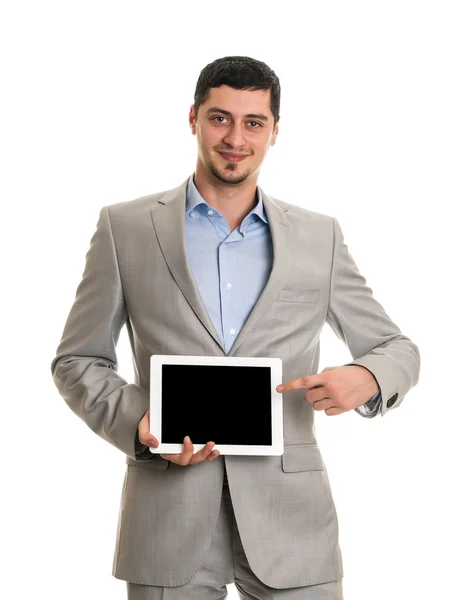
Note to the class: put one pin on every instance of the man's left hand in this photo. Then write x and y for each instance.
(336, 389)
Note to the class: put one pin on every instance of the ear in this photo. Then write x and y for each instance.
(274, 135)
(192, 120)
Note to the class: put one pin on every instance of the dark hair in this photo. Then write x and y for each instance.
(240, 73)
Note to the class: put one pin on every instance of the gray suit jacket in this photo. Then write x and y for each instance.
(137, 274)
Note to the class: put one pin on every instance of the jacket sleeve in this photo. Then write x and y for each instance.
(375, 342)
(85, 366)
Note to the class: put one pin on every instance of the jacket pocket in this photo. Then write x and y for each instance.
(156, 462)
(302, 457)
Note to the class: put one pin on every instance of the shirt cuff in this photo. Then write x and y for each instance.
(372, 407)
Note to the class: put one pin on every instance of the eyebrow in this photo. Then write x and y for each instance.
(226, 112)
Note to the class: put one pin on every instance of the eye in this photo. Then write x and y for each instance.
(220, 117)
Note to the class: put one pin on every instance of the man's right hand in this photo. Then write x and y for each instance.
(187, 457)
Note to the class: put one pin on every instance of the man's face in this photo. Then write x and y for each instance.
(224, 125)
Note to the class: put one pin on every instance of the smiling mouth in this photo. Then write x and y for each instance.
(233, 157)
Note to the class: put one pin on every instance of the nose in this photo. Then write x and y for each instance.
(234, 136)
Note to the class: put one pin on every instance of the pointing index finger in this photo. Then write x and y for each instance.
(300, 383)
(294, 384)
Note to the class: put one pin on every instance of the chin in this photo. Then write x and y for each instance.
(228, 175)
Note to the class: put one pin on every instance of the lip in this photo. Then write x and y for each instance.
(233, 157)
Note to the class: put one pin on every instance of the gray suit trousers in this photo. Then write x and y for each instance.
(225, 562)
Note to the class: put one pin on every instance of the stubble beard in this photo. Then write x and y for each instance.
(233, 178)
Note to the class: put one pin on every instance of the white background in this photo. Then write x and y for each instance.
(94, 111)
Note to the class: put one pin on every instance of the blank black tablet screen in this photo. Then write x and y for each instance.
(223, 404)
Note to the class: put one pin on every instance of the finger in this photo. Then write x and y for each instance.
(149, 439)
(186, 455)
(183, 457)
(144, 434)
(301, 383)
(203, 453)
(214, 454)
(179, 458)
(316, 394)
(143, 427)
(324, 404)
(335, 410)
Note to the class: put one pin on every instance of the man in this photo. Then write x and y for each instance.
(217, 267)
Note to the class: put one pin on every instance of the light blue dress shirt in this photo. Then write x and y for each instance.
(231, 269)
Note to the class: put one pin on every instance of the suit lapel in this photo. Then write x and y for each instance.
(169, 222)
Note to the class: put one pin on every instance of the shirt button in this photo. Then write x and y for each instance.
(232, 331)
(210, 212)
(229, 286)
(191, 214)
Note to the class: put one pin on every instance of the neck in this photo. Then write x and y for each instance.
(233, 201)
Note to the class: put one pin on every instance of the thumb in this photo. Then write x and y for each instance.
(144, 434)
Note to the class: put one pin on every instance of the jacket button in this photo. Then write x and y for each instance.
(391, 401)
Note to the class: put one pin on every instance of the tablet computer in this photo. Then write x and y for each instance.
(231, 401)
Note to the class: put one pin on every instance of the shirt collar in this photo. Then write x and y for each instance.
(194, 198)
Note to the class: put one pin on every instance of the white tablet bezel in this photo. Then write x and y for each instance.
(275, 364)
